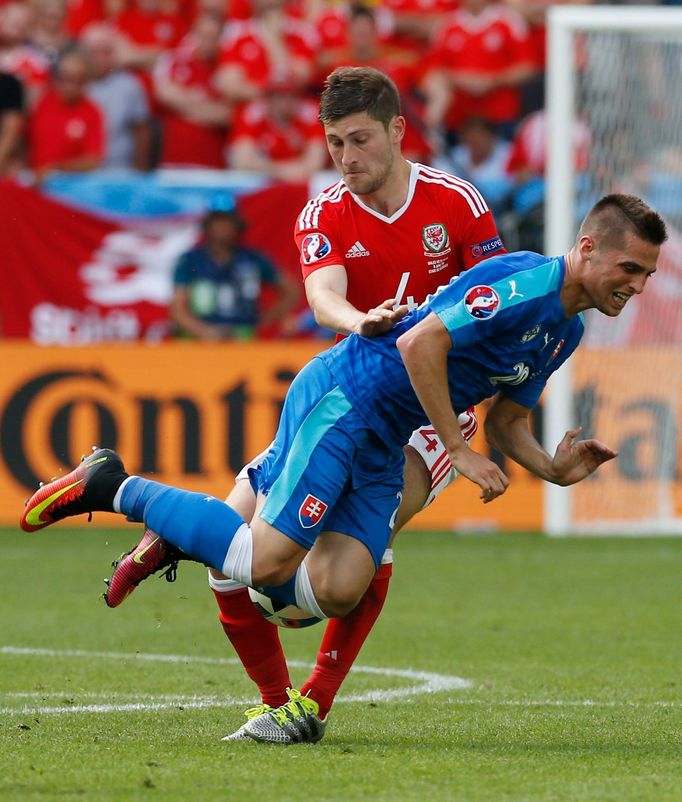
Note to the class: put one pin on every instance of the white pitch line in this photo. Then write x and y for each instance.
(423, 683)
(171, 701)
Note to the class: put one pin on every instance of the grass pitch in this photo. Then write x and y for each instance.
(570, 652)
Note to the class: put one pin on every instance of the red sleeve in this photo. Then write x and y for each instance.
(317, 243)
(478, 239)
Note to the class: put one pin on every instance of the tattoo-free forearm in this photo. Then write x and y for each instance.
(507, 429)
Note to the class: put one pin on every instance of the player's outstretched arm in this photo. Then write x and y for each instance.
(576, 459)
(424, 350)
(507, 429)
(326, 293)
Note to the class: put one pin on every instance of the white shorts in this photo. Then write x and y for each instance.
(427, 444)
(255, 462)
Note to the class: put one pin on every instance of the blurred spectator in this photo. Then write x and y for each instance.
(535, 13)
(17, 55)
(66, 129)
(415, 23)
(149, 27)
(11, 123)
(365, 48)
(121, 99)
(526, 167)
(479, 60)
(481, 157)
(195, 117)
(218, 284)
(279, 135)
(81, 13)
(48, 29)
(481, 154)
(190, 10)
(257, 50)
(333, 23)
(528, 155)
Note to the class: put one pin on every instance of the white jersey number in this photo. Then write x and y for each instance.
(411, 303)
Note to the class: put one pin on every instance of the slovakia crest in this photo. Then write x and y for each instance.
(482, 302)
(311, 511)
(315, 247)
(435, 238)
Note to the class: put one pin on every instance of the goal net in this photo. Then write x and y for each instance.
(616, 72)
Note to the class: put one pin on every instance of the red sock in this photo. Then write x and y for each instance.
(343, 640)
(257, 644)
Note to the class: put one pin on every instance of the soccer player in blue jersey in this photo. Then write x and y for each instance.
(497, 331)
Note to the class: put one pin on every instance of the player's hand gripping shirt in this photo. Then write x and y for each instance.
(508, 332)
(443, 227)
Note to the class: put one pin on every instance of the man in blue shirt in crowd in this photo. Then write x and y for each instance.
(497, 331)
(218, 284)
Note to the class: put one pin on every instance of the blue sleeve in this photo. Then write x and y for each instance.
(489, 300)
(480, 314)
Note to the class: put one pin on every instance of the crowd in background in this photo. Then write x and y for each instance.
(234, 84)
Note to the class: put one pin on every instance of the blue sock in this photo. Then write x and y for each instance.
(202, 526)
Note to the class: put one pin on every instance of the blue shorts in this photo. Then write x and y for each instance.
(326, 471)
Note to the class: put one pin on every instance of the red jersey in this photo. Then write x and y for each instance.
(161, 29)
(434, 10)
(243, 45)
(275, 141)
(487, 44)
(186, 142)
(61, 131)
(443, 228)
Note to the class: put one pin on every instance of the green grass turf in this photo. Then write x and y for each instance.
(572, 647)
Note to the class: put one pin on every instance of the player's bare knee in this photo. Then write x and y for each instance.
(335, 601)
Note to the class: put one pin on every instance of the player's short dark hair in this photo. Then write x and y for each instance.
(615, 214)
(353, 90)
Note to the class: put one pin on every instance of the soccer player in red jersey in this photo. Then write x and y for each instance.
(387, 234)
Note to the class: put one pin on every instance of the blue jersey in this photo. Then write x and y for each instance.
(225, 294)
(508, 330)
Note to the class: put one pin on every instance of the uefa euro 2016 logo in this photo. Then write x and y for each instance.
(315, 247)
(482, 302)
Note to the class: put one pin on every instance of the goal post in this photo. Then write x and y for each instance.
(617, 72)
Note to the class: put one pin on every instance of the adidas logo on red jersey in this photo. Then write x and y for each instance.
(358, 249)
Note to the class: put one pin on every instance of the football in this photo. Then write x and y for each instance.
(283, 615)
